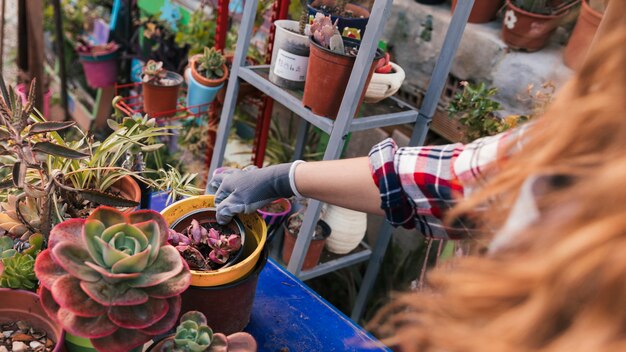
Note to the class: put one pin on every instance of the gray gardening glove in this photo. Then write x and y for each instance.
(245, 191)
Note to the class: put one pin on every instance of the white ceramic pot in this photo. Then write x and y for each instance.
(347, 229)
(384, 85)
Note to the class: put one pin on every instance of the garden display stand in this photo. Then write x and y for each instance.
(388, 112)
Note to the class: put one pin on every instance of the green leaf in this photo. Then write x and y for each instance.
(102, 198)
(58, 150)
(113, 124)
(152, 147)
(49, 126)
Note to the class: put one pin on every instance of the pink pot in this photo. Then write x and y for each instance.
(22, 90)
(101, 69)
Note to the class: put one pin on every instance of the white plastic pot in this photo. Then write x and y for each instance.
(384, 85)
(347, 229)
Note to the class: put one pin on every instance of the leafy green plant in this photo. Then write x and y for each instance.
(112, 278)
(18, 272)
(211, 63)
(476, 110)
(154, 73)
(198, 32)
(176, 184)
(545, 7)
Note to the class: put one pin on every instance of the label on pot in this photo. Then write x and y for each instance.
(290, 66)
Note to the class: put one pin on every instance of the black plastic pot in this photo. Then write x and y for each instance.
(227, 307)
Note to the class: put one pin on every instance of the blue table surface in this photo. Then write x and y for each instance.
(287, 316)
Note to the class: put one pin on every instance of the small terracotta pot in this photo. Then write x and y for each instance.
(582, 35)
(23, 305)
(314, 253)
(483, 11)
(161, 101)
(328, 74)
(129, 189)
(528, 31)
(203, 80)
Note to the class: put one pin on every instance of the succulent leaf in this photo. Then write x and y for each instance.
(71, 257)
(113, 295)
(139, 316)
(99, 326)
(18, 272)
(166, 323)
(78, 302)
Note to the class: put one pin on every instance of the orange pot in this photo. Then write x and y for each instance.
(203, 80)
(483, 11)
(161, 101)
(582, 35)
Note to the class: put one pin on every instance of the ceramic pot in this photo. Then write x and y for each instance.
(161, 101)
(384, 85)
(582, 35)
(290, 55)
(199, 96)
(101, 69)
(314, 252)
(256, 235)
(207, 82)
(483, 11)
(356, 23)
(527, 31)
(348, 228)
(329, 74)
(16, 305)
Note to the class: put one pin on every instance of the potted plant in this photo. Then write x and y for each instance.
(483, 11)
(27, 324)
(112, 279)
(160, 89)
(350, 19)
(205, 77)
(528, 24)
(274, 213)
(212, 291)
(193, 334)
(348, 228)
(292, 230)
(330, 65)
(386, 80)
(290, 53)
(589, 19)
(99, 63)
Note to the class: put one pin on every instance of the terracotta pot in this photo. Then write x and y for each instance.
(129, 189)
(314, 253)
(237, 342)
(203, 80)
(582, 35)
(483, 11)
(526, 30)
(161, 101)
(328, 74)
(227, 307)
(23, 305)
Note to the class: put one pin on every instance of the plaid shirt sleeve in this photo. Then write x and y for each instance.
(419, 184)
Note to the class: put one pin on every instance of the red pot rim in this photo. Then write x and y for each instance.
(510, 5)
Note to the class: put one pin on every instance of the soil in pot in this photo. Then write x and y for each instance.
(483, 11)
(329, 74)
(290, 56)
(527, 31)
(354, 16)
(312, 257)
(161, 100)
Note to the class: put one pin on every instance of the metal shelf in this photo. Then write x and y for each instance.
(359, 255)
(386, 113)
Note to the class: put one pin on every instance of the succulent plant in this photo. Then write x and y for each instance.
(211, 63)
(18, 272)
(112, 278)
(326, 34)
(6, 247)
(204, 249)
(194, 335)
(10, 221)
(153, 72)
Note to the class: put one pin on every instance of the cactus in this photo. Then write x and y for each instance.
(211, 64)
(194, 335)
(153, 72)
(204, 249)
(18, 272)
(326, 34)
(112, 278)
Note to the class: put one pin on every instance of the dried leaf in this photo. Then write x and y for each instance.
(8, 183)
(58, 150)
(49, 126)
(17, 174)
(102, 198)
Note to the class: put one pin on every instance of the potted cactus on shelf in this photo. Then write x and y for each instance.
(330, 65)
(212, 291)
(206, 75)
(160, 89)
(528, 24)
(112, 279)
(194, 335)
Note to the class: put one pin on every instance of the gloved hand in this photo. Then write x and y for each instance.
(245, 191)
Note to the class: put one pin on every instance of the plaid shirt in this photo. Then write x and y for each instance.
(419, 184)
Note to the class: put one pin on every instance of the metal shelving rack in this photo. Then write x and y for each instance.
(345, 123)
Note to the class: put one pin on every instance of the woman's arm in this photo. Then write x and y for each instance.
(347, 183)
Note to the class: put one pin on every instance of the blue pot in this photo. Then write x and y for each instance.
(354, 23)
(198, 94)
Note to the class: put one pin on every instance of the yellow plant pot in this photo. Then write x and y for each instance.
(256, 235)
